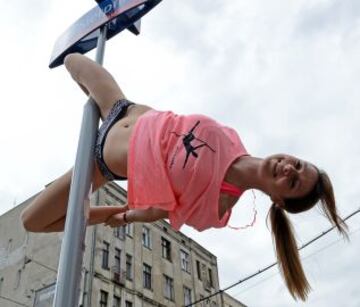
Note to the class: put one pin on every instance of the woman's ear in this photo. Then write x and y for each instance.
(278, 200)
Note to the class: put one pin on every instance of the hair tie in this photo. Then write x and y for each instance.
(277, 206)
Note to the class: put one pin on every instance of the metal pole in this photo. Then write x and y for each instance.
(72, 249)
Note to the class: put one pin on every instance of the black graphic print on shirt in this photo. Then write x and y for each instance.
(187, 140)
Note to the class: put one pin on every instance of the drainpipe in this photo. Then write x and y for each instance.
(92, 258)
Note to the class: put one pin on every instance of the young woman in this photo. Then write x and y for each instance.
(189, 169)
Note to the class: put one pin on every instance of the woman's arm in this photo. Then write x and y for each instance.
(101, 214)
(98, 215)
(114, 217)
(137, 215)
(147, 216)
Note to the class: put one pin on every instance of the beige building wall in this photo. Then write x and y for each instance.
(230, 301)
(28, 263)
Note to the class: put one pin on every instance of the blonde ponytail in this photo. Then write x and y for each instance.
(287, 254)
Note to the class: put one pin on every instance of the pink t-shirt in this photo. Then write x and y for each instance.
(177, 163)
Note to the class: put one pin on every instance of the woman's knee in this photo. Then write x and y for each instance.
(29, 222)
(72, 64)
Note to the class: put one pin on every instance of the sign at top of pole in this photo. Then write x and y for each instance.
(117, 15)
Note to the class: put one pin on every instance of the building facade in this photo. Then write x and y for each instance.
(137, 265)
(229, 301)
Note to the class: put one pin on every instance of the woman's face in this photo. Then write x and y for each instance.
(288, 177)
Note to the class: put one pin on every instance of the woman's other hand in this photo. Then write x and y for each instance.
(116, 220)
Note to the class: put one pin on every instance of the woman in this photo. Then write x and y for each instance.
(189, 169)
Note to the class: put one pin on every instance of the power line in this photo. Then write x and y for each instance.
(306, 257)
(271, 265)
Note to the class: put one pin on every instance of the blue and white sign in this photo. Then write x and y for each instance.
(82, 35)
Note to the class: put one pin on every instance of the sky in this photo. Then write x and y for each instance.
(284, 74)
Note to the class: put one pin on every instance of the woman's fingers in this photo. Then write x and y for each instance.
(116, 220)
(118, 210)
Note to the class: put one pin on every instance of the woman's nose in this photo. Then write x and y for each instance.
(288, 169)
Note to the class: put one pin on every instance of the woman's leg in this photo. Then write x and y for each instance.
(50, 205)
(95, 81)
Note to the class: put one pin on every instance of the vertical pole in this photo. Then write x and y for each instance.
(72, 249)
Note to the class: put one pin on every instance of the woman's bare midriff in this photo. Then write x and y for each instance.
(117, 141)
(117, 145)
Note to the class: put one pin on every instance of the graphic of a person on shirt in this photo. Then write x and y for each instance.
(187, 139)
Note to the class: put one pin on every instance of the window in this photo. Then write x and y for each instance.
(147, 276)
(9, 247)
(129, 229)
(119, 232)
(166, 249)
(128, 267)
(187, 296)
(128, 304)
(105, 256)
(146, 237)
(103, 298)
(45, 296)
(169, 288)
(198, 269)
(117, 260)
(210, 278)
(203, 271)
(116, 301)
(185, 261)
(18, 279)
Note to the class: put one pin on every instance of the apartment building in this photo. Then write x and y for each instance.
(137, 265)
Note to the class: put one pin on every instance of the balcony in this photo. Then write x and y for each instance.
(118, 276)
(207, 285)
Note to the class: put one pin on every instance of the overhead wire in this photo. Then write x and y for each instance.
(271, 265)
(303, 258)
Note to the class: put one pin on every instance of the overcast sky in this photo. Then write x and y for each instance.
(284, 74)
